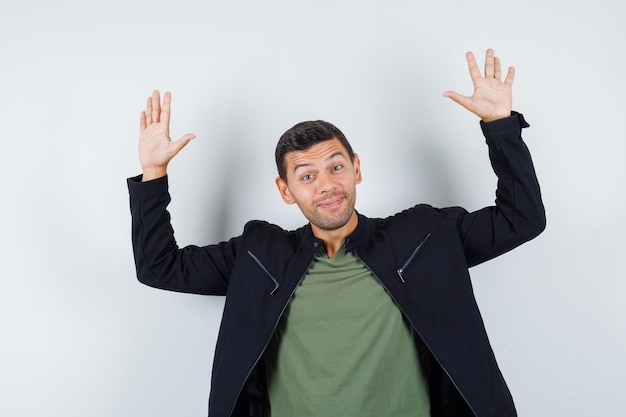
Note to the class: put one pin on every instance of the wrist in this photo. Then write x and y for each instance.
(153, 173)
(494, 117)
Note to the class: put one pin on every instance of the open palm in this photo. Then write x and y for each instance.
(492, 98)
(156, 149)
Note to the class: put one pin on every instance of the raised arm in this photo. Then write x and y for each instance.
(518, 214)
(156, 149)
(492, 98)
(158, 259)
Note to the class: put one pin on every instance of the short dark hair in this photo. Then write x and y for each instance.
(304, 135)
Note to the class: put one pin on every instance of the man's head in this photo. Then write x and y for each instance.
(304, 135)
(318, 171)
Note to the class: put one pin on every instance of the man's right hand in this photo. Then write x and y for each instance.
(156, 149)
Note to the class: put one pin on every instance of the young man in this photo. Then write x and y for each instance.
(347, 316)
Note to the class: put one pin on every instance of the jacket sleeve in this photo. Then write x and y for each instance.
(518, 215)
(159, 261)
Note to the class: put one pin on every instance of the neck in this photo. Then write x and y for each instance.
(333, 239)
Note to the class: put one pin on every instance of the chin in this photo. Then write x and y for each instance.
(332, 223)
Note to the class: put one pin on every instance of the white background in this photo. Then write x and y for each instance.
(79, 336)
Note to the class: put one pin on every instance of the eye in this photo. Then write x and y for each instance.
(337, 168)
(307, 177)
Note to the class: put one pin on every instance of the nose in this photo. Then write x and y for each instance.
(325, 182)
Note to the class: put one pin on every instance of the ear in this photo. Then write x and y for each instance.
(283, 189)
(357, 169)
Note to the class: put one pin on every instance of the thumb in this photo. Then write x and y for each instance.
(182, 142)
(458, 98)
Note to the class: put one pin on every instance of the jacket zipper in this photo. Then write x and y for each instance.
(401, 270)
(282, 311)
(271, 277)
(412, 324)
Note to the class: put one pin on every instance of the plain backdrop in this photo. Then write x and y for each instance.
(79, 336)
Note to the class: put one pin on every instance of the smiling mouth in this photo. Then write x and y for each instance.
(331, 203)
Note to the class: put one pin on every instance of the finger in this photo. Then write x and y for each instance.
(165, 111)
(458, 98)
(510, 76)
(472, 66)
(187, 138)
(182, 142)
(142, 122)
(489, 64)
(149, 111)
(156, 106)
(497, 69)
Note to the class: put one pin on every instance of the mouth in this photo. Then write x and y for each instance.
(332, 203)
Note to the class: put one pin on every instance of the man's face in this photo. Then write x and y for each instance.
(322, 181)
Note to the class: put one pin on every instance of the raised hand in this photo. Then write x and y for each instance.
(492, 98)
(156, 149)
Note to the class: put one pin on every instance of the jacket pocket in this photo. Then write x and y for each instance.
(411, 258)
(273, 280)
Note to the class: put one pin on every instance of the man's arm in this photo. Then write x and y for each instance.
(159, 262)
(158, 259)
(518, 214)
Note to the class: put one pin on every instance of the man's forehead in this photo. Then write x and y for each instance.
(321, 151)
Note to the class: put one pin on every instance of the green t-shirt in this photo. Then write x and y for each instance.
(343, 349)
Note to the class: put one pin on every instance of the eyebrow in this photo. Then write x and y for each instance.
(329, 158)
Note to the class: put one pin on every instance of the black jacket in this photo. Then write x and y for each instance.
(421, 256)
